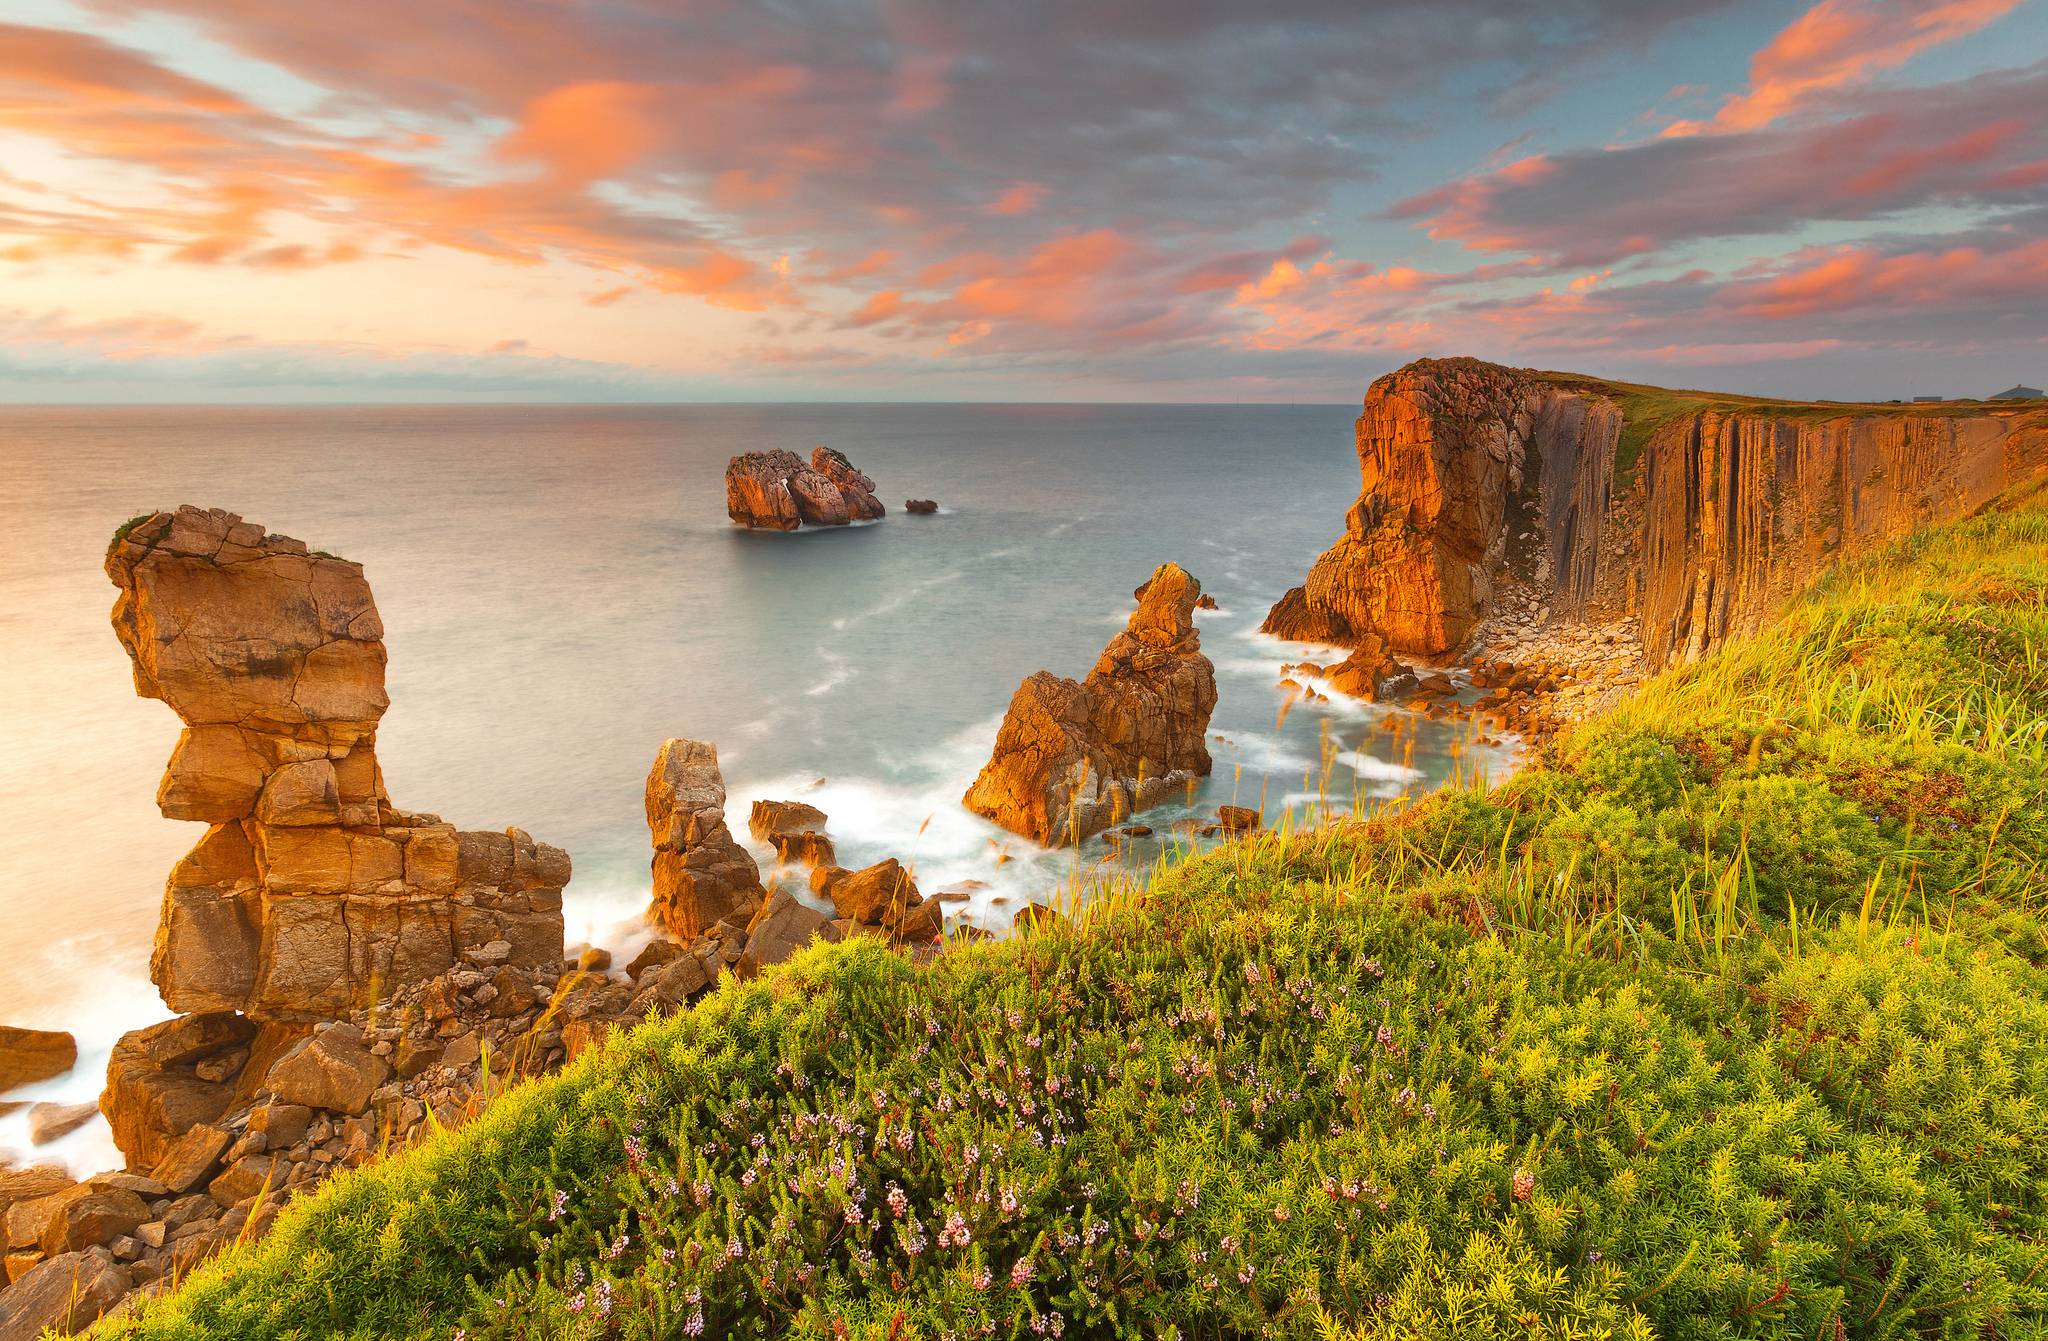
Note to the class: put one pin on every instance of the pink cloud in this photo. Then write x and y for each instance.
(1838, 43)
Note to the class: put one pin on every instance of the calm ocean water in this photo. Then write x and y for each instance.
(561, 591)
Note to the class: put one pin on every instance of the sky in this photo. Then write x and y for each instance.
(1068, 200)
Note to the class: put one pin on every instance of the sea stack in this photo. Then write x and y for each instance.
(701, 875)
(778, 491)
(310, 893)
(1071, 759)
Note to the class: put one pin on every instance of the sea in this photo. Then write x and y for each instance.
(561, 591)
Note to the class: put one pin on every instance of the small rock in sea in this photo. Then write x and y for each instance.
(1237, 819)
(47, 1122)
(29, 1055)
(920, 505)
(1206, 602)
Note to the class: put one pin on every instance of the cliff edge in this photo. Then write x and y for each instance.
(1681, 517)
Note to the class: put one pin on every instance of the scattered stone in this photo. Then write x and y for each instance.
(656, 951)
(1072, 759)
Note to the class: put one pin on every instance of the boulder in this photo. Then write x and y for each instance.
(49, 1122)
(64, 1294)
(781, 928)
(1238, 819)
(330, 1070)
(30, 1184)
(192, 1158)
(700, 872)
(921, 505)
(154, 1093)
(774, 819)
(1072, 759)
(78, 1217)
(310, 893)
(875, 895)
(30, 1055)
(778, 491)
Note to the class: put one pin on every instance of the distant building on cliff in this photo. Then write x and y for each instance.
(1926, 400)
(2019, 393)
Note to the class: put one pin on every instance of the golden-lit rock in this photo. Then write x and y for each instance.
(700, 872)
(305, 897)
(1071, 759)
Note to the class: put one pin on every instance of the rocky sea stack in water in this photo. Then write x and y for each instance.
(1071, 759)
(310, 893)
(779, 491)
(1500, 496)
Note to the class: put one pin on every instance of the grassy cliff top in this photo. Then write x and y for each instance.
(1724, 1019)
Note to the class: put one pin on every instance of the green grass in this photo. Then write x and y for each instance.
(1726, 1018)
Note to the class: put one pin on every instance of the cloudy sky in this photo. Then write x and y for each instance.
(995, 199)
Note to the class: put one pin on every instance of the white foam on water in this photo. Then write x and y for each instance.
(1376, 769)
(838, 670)
(121, 998)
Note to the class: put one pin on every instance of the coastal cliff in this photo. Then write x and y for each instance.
(1683, 517)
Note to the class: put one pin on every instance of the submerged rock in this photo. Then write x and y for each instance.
(778, 491)
(701, 874)
(1071, 759)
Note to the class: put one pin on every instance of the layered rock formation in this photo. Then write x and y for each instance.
(310, 893)
(1072, 758)
(701, 875)
(1574, 500)
(778, 491)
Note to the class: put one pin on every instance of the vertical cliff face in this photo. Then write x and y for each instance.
(1591, 501)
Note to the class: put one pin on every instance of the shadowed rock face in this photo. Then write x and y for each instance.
(778, 491)
(1071, 758)
(701, 873)
(310, 893)
(1476, 478)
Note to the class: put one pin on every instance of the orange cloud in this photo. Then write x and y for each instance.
(1837, 43)
(1853, 278)
(1018, 198)
(587, 131)
(878, 308)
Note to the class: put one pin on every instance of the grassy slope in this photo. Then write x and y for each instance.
(1728, 1019)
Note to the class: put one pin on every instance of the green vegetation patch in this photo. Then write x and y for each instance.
(1725, 1018)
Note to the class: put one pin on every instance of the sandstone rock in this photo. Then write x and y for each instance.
(282, 1125)
(48, 1122)
(310, 893)
(330, 1071)
(700, 872)
(38, 1180)
(80, 1216)
(655, 952)
(29, 1055)
(192, 1158)
(249, 1176)
(920, 505)
(782, 928)
(768, 820)
(776, 490)
(875, 895)
(1237, 819)
(154, 1094)
(64, 1294)
(1072, 759)
(1490, 492)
